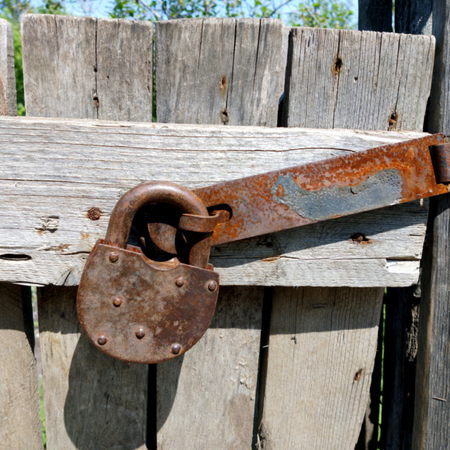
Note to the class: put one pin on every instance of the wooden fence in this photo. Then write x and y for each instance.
(289, 358)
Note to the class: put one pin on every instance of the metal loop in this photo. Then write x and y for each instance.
(158, 192)
(203, 224)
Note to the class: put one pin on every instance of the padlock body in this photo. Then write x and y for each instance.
(137, 310)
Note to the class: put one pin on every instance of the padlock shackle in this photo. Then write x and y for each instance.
(158, 192)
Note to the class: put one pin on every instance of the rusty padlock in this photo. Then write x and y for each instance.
(139, 310)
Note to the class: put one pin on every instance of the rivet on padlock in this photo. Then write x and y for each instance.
(167, 308)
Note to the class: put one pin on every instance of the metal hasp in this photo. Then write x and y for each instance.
(441, 162)
(139, 310)
(144, 311)
(328, 189)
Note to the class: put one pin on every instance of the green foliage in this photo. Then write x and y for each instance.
(155, 10)
(322, 14)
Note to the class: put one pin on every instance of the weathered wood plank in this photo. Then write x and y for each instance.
(8, 97)
(312, 397)
(375, 15)
(344, 79)
(124, 70)
(338, 79)
(57, 170)
(216, 381)
(50, 43)
(202, 66)
(399, 368)
(401, 305)
(220, 412)
(432, 403)
(19, 405)
(90, 401)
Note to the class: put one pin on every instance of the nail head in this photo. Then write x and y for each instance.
(179, 281)
(102, 340)
(176, 348)
(212, 286)
(117, 301)
(113, 257)
(140, 333)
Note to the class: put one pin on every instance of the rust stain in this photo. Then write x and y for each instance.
(280, 191)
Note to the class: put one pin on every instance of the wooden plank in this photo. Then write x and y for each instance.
(124, 90)
(214, 401)
(214, 59)
(413, 17)
(49, 44)
(90, 401)
(322, 341)
(375, 15)
(59, 169)
(8, 97)
(399, 368)
(19, 407)
(206, 398)
(432, 403)
(337, 78)
(401, 312)
(344, 79)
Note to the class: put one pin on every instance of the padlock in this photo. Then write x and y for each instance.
(139, 310)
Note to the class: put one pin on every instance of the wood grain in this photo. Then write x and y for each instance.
(242, 90)
(336, 79)
(322, 343)
(90, 401)
(215, 71)
(432, 405)
(401, 312)
(216, 381)
(59, 169)
(8, 97)
(19, 405)
(432, 410)
(344, 79)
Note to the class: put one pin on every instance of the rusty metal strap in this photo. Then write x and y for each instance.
(327, 189)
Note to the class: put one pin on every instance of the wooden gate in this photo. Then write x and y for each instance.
(288, 360)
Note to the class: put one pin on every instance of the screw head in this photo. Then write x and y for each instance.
(140, 333)
(179, 281)
(113, 257)
(212, 286)
(94, 213)
(102, 340)
(176, 348)
(117, 301)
